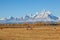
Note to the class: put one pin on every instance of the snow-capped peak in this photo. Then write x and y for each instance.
(49, 12)
(11, 17)
(26, 17)
(44, 16)
(2, 18)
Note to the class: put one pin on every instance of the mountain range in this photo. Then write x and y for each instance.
(44, 16)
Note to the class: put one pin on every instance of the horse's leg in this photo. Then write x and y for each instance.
(27, 28)
(31, 28)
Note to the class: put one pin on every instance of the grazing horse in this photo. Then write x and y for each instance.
(28, 26)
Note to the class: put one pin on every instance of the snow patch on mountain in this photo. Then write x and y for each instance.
(44, 16)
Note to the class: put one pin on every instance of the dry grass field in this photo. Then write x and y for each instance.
(40, 33)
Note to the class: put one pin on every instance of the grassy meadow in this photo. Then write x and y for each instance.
(36, 33)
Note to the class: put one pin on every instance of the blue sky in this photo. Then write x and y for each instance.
(20, 8)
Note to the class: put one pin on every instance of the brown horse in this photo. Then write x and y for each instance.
(28, 25)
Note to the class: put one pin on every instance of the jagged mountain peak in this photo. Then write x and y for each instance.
(43, 16)
(11, 17)
(3, 18)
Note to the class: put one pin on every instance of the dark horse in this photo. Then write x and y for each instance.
(28, 25)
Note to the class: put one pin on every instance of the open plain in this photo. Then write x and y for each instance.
(37, 33)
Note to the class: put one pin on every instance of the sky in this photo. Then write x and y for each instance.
(19, 8)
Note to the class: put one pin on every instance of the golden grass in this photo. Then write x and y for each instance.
(41, 33)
